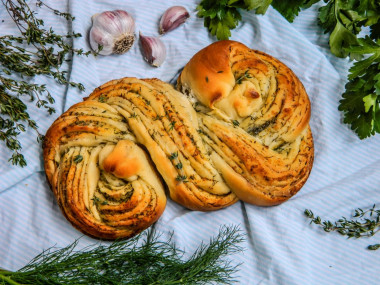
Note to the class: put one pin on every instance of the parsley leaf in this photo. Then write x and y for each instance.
(345, 19)
(222, 16)
(290, 9)
(361, 100)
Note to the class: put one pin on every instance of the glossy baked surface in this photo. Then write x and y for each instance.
(102, 159)
(254, 113)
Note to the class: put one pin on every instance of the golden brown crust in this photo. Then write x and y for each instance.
(250, 140)
(210, 73)
(255, 118)
(105, 183)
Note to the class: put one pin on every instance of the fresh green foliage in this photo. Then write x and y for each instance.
(290, 9)
(46, 53)
(361, 100)
(366, 224)
(344, 20)
(374, 246)
(143, 259)
(222, 16)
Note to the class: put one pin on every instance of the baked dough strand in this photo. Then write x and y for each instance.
(254, 113)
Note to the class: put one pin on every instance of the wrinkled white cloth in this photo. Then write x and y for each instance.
(281, 246)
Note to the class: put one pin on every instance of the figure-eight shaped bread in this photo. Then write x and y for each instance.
(246, 138)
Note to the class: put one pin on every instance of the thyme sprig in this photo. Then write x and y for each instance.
(36, 51)
(143, 259)
(365, 224)
(240, 79)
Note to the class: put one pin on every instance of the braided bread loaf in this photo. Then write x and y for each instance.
(247, 138)
(254, 113)
(97, 165)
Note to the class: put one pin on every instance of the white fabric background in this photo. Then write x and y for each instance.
(281, 247)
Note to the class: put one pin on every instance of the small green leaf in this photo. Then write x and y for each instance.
(290, 8)
(369, 101)
(340, 38)
(181, 178)
(178, 165)
(78, 158)
(174, 155)
(374, 246)
(102, 98)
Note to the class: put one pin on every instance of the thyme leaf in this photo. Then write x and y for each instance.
(240, 79)
(365, 224)
(45, 53)
(173, 155)
(78, 158)
(374, 246)
(181, 178)
(179, 165)
(143, 259)
(171, 126)
(235, 123)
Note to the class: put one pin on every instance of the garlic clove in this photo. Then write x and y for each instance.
(105, 40)
(154, 50)
(113, 30)
(172, 18)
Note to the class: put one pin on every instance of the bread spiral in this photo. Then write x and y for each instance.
(97, 162)
(254, 113)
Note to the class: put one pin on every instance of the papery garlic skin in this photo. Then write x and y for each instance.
(154, 50)
(173, 18)
(114, 31)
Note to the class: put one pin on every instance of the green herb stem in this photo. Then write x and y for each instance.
(47, 54)
(7, 280)
(365, 224)
(143, 259)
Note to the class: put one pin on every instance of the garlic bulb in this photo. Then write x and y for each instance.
(113, 31)
(154, 50)
(172, 18)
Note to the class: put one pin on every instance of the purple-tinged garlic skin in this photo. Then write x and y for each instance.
(154, 50)
(113, 30)
(173, 18)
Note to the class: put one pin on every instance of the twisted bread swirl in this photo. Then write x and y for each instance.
(96, 161)
(253, 112)
(247, 138)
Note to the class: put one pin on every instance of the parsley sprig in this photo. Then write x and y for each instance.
(222, 16)
(361, 99)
